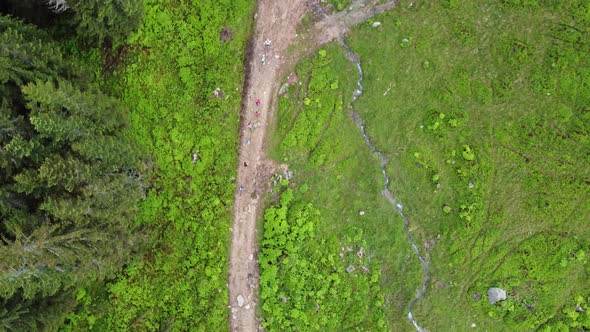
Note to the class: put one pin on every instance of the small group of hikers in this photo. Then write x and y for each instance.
(257, 113)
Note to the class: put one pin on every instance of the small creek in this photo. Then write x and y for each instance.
(397, 205)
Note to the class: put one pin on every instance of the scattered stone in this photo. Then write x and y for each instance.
(362, 213)
(364, 269)
(251, 257)
(475, 296)
(471, 185)
(473, 325)
(405, 40)
(284, 299)
(283, 89)
(350, 269)
(240, 300)
(196, 156)
(247, 307)
(218, 93)
(438, 186)
(441, 284)
(579, 309)
(496, 294)
(288, 175)
(361, 252)
(376, 24)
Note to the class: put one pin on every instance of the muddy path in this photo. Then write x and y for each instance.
(269, 60)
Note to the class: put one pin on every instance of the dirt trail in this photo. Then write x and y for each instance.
(276, 21)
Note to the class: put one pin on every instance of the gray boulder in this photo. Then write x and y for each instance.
(496, 294)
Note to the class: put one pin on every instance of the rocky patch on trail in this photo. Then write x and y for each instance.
(240, 300)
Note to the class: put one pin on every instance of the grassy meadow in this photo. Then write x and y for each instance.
(482, 108)
(338, 179)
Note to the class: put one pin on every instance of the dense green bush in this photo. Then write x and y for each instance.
(179, 282)
(304, 284)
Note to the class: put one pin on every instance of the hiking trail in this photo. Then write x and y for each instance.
(268, 60)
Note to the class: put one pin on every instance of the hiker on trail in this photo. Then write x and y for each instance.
(257, 113)
(257, 102)
(241, 188)
(250, 125)
(267, 42)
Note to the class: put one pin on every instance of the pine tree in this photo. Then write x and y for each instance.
(95, 21)
(106, 20)
(68, 181)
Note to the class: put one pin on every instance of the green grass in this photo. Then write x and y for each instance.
(511, 83)
(179, 282)
(335, 172)
(482, 109)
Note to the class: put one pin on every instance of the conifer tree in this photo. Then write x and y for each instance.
(95, 21)
(68, 181)
(106, 20)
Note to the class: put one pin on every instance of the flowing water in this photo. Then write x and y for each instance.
(397, 205)
(386, 192)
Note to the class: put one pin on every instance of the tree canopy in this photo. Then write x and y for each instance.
(68, 180)
(94, 21)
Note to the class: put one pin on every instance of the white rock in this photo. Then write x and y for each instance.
(473, 325)
(240, 300)
(496, 294)
(362, 213)
(376, 24)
